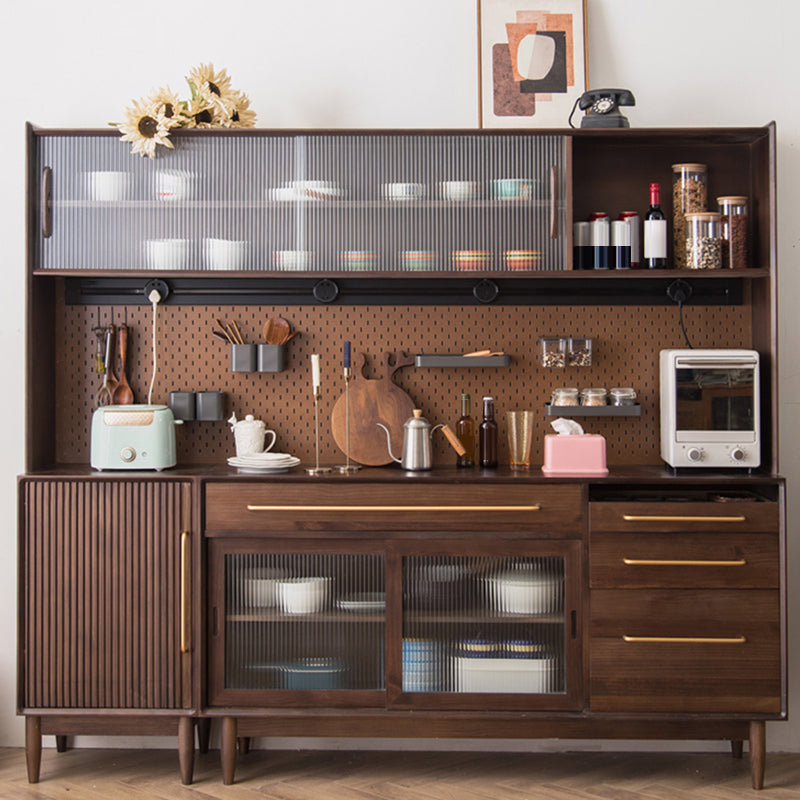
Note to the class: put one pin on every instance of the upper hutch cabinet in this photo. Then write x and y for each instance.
(270, 201)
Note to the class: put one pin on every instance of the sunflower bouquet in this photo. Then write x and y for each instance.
(213, 104)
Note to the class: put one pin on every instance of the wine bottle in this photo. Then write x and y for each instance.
(487, 435)
(655, 232)
(465, 430)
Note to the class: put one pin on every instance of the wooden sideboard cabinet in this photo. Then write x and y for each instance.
(105, 611)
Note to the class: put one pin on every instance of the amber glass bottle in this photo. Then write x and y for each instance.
(487, 435)
(465, 430)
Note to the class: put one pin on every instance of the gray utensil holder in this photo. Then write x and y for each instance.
(270, 357)
(182, 405)
(210, 405)
(243, 358)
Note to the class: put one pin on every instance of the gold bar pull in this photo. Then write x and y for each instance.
(186, 561)
(251, 507)
(687, 639)
(681, 562)
(686, 518)
(553, 202)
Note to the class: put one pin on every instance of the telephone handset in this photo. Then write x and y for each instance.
(602, 108)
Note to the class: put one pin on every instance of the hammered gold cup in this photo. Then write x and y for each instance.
(520, 433)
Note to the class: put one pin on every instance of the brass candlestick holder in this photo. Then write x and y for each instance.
(317, 470)
(347, 467)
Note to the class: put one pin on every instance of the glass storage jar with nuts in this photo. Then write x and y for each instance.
(689, 196)
(565, 396)
(553, 351)
(594, 397)
(733, 231)
(703, 243)
(579, 351)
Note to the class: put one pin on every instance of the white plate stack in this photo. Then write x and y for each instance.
(264, 462)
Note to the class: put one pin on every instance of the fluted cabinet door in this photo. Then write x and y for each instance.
(104, 594)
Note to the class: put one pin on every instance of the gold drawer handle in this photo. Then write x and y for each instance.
(665, 518)
(688, 639)
(391, 508)
(677, 562)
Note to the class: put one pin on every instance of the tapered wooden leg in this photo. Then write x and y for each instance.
(758, 753)
(186, 749)
(737, 748)
(203, 733)
(33, 747)
(228, 750)
(244, 745)
(61, 744)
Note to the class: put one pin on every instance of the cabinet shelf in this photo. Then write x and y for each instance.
(456, 360)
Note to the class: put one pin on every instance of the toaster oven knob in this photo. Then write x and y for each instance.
(694, 454)
(127, 454)
(737, 454)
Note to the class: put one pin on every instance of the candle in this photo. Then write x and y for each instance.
(315, 370)
(347, 354)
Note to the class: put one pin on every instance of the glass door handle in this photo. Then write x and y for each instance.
(46, 208)
(554, 202)
(186, 560)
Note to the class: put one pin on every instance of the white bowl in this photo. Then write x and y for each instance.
(167, 253)
(174, 184)
(524, 592)
(261, 587)
(108, 187)
(403, 191)
(459, 190)
(225, 253)
(293, 259)
(303, 595)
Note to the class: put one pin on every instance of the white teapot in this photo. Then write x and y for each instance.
(250, 434)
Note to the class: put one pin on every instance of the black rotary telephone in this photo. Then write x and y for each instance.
(602, 108)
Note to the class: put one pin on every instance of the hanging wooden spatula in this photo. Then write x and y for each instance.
(276, 330)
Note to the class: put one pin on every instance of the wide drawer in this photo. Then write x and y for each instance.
(751, 516)
(685, 651)
(391, 507)
(678, 560)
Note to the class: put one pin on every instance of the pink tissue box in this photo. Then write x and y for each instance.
(579, 455)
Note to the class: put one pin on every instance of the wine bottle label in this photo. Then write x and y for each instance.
(655, 238)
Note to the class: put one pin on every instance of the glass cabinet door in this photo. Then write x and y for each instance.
(268, 202)
(297, 622)
(489, 626)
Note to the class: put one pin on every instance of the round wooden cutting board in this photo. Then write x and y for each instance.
(373, 401)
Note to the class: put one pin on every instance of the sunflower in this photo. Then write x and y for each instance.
(146, 128)
(239, 113)
(214, 87)
(165, 101)
(201, 114)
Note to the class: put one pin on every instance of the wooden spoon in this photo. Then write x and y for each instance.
(123, 394)
(290, 337)
(276, 330)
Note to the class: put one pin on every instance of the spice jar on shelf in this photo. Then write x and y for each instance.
(733, 231)
(564, 396)
(579, 351)
(621, 396)
(703, 243)
(689, 196)
(553, 351)
(594, 397)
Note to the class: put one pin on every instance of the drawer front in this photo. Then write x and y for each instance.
(678, 560)
(685, 651)
(366, 507)
(682, 517)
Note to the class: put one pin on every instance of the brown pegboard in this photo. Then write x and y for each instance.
(627, 340)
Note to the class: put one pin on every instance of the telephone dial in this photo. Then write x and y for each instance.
(602, 108)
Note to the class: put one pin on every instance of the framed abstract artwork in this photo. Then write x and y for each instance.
(532, 61)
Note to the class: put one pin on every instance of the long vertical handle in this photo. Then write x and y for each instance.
(554, 201)
(47, 202)
(186, 560)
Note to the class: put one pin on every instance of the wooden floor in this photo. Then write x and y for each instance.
(315, 775)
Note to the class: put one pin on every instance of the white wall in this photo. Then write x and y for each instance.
(371, 63)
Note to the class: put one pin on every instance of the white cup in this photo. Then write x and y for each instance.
(174, 184)
(250, 439)
(167, 253)
(225, 253)
(109, 187)
(459, 190)
(293, 259)
(403, 191)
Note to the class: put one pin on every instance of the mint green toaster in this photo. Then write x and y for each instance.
(133, 437)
